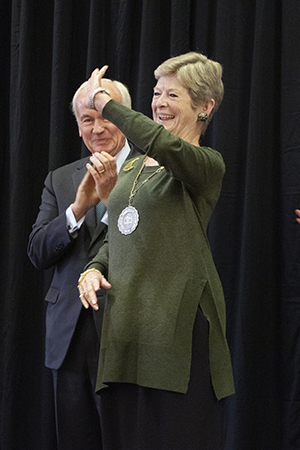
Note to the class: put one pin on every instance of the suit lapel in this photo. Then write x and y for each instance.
(79, 172)
(100, 228)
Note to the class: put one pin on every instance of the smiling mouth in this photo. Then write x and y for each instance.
(164, 117)
(100, 141)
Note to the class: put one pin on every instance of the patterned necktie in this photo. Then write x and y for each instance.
(100, 210)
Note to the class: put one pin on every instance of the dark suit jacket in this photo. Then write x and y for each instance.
(50, 244)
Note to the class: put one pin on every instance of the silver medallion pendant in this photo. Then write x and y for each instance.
(128, 220)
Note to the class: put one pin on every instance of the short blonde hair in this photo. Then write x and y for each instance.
(201, 76)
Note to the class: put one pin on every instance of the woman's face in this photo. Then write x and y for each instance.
(171, 107)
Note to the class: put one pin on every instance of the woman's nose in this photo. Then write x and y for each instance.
(161, 101)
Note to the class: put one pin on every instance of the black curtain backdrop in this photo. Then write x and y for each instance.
(48, 48)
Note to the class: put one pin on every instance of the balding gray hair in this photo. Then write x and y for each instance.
(126, 99)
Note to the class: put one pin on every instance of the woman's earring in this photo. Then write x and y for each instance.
(202, 116)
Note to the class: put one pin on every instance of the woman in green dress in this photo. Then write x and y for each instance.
(164, 364)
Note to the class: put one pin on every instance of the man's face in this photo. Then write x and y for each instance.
(97, 133)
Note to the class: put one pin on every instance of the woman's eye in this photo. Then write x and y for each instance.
(155, 94)
(173, 95)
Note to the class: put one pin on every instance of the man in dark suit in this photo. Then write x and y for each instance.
(66, 236)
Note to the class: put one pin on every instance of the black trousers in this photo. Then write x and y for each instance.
(138, 418)
(77, 406)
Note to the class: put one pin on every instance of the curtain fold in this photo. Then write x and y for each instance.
(290, 233)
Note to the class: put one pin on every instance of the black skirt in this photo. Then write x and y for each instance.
(138, 418)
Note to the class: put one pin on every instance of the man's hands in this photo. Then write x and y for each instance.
(104, 173)
(96, 185)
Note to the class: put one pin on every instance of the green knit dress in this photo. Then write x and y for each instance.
(163, 271)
